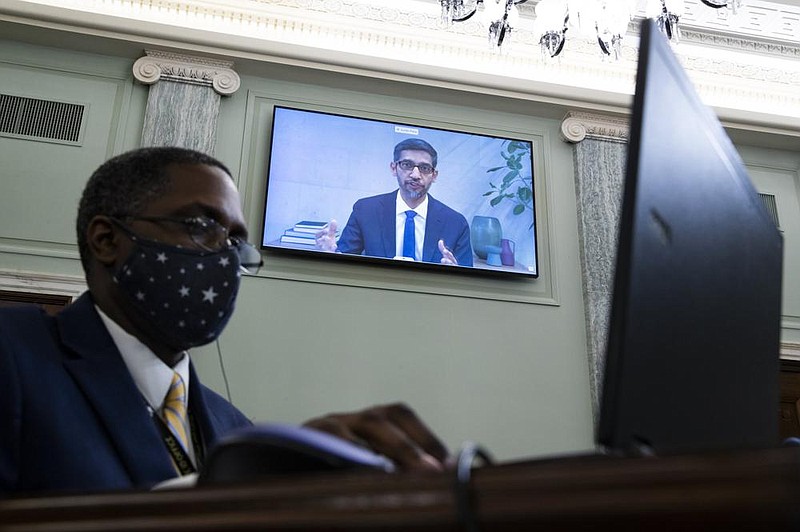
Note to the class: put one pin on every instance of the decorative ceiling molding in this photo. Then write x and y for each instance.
(182, 68)
(750, 76)
(744, 44)
(757, 19)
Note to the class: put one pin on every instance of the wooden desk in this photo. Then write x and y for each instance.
(753, 490)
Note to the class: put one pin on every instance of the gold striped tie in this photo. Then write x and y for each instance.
(175, 410)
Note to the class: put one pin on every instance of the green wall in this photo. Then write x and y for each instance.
(496, 361)
(499, 362)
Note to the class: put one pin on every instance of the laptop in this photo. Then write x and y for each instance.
(692, 361)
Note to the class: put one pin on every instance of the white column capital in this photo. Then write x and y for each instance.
(576, 126)
(182, 68)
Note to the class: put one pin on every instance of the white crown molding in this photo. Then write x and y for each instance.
(577, 126)
(749, 77)
(741, 43)
(183, 68)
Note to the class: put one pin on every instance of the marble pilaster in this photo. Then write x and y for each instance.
(184, 98)
(599, 160)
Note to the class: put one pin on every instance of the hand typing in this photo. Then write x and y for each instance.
(392, 430)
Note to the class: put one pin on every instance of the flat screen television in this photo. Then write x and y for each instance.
(693, 349)
(339, 175)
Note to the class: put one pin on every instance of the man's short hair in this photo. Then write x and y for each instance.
(416, 144)
(125, 184)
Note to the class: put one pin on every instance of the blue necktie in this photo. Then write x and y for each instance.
(408, 235)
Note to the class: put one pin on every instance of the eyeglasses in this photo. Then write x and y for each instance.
(210, 235)
(408, 166)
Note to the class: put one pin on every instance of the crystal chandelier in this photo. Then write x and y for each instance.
(666, 13)
(717, 4)
(603, 21)
(499, 16)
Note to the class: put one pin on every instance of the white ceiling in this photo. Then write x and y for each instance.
(750, 73)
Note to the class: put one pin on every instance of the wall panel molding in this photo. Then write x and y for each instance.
(541, 291)
(42, 283)
(34, 170)
(790, 351)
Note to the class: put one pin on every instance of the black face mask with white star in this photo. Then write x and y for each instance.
(188, 295)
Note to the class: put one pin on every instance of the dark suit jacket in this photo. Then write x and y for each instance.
(371, 230)
(71, 417)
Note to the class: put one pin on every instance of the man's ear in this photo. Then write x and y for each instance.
(103, 239)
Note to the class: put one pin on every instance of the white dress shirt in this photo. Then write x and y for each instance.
(152, 376)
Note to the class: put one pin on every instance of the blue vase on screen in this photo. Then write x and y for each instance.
(485, 231)
(493, 256)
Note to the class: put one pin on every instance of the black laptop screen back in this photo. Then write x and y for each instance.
(693, 352)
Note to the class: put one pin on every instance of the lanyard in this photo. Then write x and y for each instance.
(179, 456)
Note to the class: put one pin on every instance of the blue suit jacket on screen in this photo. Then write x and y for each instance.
(71, 417)
(371, 230)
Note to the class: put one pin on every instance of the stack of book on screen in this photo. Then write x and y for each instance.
(304, 233)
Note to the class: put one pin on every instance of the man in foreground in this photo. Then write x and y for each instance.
(103, 395)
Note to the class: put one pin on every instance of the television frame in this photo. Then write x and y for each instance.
(379, 159)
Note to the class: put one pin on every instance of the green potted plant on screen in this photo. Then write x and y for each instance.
(517, 182)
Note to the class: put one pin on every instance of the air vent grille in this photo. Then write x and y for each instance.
(771, 206)
(40, 119)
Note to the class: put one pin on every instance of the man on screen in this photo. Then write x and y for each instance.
(104, 395)
(407, 223)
